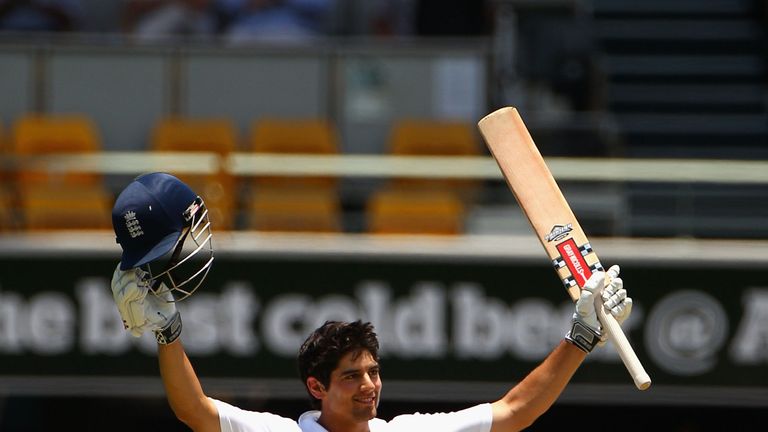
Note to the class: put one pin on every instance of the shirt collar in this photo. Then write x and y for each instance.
(308, 422)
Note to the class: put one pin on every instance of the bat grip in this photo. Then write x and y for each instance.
(619, 339)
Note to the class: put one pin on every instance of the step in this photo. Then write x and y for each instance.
(719, 30)
(712, 94)
(690, 65)
(674, 7)
(693, 124)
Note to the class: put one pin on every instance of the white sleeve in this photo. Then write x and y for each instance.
(475, 419)
(234, 419)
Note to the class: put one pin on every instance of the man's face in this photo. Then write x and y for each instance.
(354, 390)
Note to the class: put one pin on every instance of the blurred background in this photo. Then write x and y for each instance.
(335, 144)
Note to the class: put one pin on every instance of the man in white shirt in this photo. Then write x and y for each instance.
(339, 362)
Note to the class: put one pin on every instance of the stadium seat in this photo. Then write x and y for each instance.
(175, 133)
(435, 138)
(307, 203)
(294, 136)
(7, 209)
(405, 211)
(427, 206)
(315, 136)
(294, 209)
(220, 190)
(52, 199)
(57, 207)
(40, 134)
(7, 197)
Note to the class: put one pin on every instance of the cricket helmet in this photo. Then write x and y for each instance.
(153, 217)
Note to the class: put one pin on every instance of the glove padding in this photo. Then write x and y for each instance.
(141, 312)
(586, 331)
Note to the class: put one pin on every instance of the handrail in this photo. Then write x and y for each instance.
(371, 166)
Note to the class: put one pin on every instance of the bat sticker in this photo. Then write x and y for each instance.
(559, 232)
(571, 254)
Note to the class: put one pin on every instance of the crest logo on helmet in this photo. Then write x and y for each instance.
(132, 224)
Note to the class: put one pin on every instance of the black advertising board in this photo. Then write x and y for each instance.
(443, 322)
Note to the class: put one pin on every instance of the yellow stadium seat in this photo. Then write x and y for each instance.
(405, 211)
(56, 207)
(217, 135)
(40, 134)
(52, 200)
(45, 134)
(301, 203)
(270, 135)
(293, 209)
(433, 137)
(425, 206)
(7, 207)
(8, 202)
(293, 136)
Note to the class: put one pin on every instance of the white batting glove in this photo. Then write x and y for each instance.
(615, 296)
(129, 292)
(162, 317)
(586, 331)
(141, 310)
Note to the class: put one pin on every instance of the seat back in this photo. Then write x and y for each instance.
(412, 137)
(219, 190)
(8, 202)
(50, 199)
(64, 207)
(175, 133)
(301, 203)
(408, 211)
(424, 206)
(294, 136)
(433, 137)
(41, 134)
(294, 209)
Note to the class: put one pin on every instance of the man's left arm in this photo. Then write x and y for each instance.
(533, 396)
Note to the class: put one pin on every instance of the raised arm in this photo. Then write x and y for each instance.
(142, 311)
(533, 396)
(185, 395)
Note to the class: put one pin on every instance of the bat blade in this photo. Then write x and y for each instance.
(552, 219)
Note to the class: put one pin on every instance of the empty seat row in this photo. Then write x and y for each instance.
(58, 199)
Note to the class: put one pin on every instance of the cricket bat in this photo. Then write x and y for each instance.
(559, 232)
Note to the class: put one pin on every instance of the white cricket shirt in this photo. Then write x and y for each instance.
(475, 419)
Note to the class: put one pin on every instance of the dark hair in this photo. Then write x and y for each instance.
(319, 355)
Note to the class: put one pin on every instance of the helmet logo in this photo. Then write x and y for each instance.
(132, 224)
(191, 211)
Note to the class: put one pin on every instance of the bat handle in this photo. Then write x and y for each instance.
(619, 339)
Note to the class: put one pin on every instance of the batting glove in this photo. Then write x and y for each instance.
(129, 292)
(586, 332)
(142, 310)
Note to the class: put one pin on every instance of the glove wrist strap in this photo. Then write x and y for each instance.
(171, 331)
(583, 336)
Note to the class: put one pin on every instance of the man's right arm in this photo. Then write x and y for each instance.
(142, 311)
(183, 389)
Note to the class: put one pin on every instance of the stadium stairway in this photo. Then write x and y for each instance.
(687, 78)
